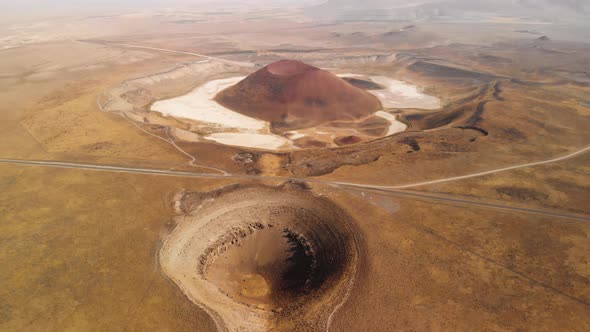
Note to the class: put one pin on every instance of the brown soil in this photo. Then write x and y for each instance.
(347, 140)
(309, 142)
(250, 272)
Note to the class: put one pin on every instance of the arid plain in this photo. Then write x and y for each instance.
(371, 229)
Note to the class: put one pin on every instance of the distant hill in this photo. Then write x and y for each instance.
(432, 10)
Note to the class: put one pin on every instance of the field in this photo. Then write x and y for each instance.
(415, 229)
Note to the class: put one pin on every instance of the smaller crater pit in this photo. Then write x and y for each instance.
(268, 268)
(260, 258)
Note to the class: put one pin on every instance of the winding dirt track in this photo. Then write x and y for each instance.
(193, 160)
(399, 189)
(241, 64)
(462, 177)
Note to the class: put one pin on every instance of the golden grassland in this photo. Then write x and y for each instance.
(78, 252)
(440, 267)
(78, 248)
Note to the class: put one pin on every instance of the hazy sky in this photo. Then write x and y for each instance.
(404, 8)
(28, 8)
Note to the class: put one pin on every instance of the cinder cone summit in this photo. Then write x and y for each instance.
(291, 95)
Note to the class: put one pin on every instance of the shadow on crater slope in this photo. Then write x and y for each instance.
(262, 258)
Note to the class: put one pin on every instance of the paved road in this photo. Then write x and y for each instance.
(459, 200)
(399, 190)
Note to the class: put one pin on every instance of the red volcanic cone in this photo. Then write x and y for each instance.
(291, 94)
